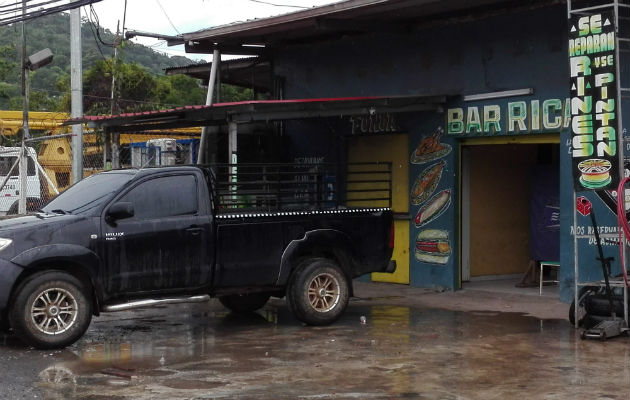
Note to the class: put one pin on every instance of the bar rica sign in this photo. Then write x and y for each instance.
(594, 122)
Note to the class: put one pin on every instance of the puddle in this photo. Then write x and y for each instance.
(192, 384)
(399, 352)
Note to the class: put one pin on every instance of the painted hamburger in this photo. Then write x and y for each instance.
(433, 246)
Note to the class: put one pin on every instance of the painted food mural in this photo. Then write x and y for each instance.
(432, 245)
(430, 148)
(433, 208)
(426, 183)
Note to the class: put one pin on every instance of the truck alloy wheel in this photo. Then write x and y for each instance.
(50, 310)
(318, 292)
(323, 292)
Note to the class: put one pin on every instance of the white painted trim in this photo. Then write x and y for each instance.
(465, 214)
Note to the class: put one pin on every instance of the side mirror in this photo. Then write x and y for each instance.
(120, 210)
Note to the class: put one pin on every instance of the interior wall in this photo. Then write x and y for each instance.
(499, 208)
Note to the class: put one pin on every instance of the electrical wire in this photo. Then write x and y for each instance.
(167, 17)
(27, 9)
(622, 226)
(98, 46)
(278, 5)
(98, 27)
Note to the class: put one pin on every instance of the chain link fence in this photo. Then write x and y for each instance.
(49, 162)
(49, 169)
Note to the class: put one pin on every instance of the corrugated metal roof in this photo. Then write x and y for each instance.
(262, 110)
(344, 18)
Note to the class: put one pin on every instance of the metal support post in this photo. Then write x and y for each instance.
(115, 136)
(205, 132)
(76, 83)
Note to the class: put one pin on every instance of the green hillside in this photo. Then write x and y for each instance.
(50, 84)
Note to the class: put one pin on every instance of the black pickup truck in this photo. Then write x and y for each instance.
(127, 238)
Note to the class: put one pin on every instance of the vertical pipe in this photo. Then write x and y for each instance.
(76, 83)
(25, 131)
(216, 61)
(622, 142)
(575, 261)
(115, 136)
(23, 151)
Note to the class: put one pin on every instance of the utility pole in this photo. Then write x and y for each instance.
(76, 83)
(23, 166)
(115, 137)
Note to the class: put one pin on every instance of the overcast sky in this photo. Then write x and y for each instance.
(171, 17)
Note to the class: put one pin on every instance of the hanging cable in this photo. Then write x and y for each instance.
(98, 27)
(11, 13)
(278, 5)
(623, 226)
(167, 17)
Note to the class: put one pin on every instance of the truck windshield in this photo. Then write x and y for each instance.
(87, 194)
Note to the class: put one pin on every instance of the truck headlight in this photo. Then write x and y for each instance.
(4, 243)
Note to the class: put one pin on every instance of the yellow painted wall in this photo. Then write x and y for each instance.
(394, 149)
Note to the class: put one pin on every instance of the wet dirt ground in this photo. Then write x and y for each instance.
(415, 344)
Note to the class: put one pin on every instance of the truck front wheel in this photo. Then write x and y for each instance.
(318, 292)
(50, 310)
(245, 303)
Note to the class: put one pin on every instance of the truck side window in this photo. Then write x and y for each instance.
(30, 170)
(164, 197)
(7, 162)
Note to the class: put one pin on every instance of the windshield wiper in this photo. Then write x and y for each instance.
(60, 211)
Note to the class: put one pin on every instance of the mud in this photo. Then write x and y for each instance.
(412, 351)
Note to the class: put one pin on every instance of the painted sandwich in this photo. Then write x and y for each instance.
(433, 246)
(426, 182)
(433, 208)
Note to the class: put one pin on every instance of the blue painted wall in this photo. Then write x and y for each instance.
(526, 49)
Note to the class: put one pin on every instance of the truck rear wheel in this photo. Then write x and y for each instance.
(318, 292)
(50, 310)
(245, 303)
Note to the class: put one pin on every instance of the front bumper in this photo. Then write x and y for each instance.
(9, 274)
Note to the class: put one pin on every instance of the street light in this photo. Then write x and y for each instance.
(31, 63)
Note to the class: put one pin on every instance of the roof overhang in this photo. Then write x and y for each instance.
(256, 111)
(251, 72)
(344, 19)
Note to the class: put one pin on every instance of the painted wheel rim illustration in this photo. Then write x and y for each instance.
(595, 173)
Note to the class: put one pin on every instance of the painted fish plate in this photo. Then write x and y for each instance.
(426, 183)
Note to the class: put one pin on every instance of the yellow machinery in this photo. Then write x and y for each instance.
(55, 154)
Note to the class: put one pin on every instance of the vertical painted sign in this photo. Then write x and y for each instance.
(594, 108)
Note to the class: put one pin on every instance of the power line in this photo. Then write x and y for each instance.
(167, 17)
(12, 13)
(277, 5)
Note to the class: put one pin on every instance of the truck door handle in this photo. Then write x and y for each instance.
(194, 230)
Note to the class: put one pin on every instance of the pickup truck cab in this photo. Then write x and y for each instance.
(135, 237)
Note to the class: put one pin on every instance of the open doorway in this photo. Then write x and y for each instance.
(498, 182)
